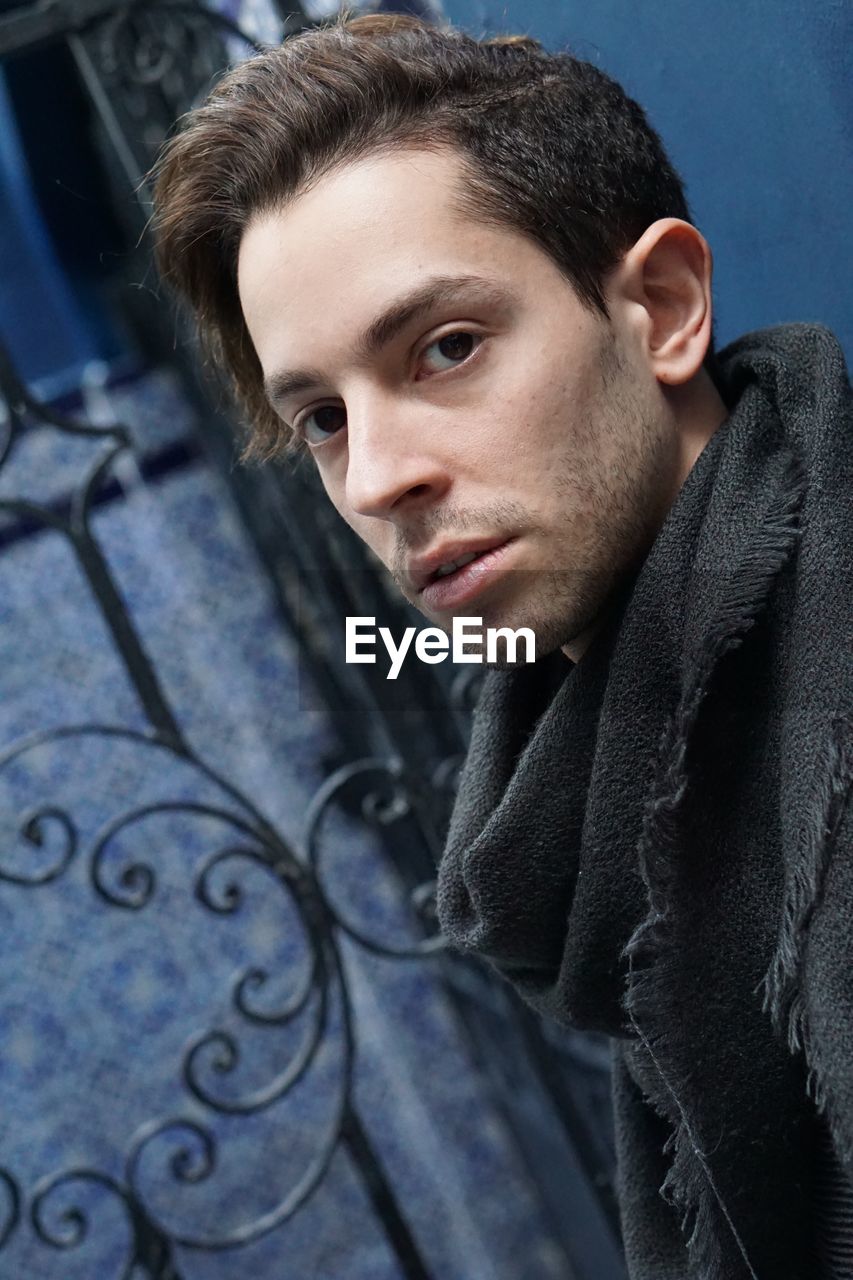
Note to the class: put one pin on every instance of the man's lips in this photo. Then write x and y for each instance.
(455, 590)
(421, 571)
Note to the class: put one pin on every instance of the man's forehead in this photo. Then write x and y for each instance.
(385, 201)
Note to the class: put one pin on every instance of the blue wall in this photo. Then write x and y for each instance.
(755, 104)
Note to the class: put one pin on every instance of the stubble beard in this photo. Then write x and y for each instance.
(613, 510)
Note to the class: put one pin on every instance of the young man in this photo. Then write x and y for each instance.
(462, 275)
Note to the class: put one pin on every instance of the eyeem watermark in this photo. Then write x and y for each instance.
(434, 645)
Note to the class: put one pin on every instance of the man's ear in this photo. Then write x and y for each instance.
(666, 275)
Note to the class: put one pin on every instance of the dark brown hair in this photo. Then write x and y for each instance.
(555, 149)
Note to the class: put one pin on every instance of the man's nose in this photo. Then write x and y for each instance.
(393, 463)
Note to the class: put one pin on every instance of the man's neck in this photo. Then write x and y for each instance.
(699, 410)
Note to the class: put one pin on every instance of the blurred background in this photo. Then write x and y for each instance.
(231, 1042)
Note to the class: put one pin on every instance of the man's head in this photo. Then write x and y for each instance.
(463, 276)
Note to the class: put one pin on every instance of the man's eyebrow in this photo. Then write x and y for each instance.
(433, 293)
(290, 382)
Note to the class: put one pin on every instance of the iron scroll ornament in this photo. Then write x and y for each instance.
(53, 842)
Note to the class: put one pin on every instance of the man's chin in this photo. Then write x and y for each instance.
(561, 611)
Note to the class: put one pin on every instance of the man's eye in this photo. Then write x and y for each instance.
(452, 349)
(320, 424)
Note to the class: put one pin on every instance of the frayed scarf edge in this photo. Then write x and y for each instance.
(782, 983)
(689, 1182)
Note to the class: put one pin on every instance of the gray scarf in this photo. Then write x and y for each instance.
(652, 843)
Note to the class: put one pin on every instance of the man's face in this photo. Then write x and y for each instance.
(458, 399)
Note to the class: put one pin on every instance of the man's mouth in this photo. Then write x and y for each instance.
(456, 581)
(453, 565)
(447, 559)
